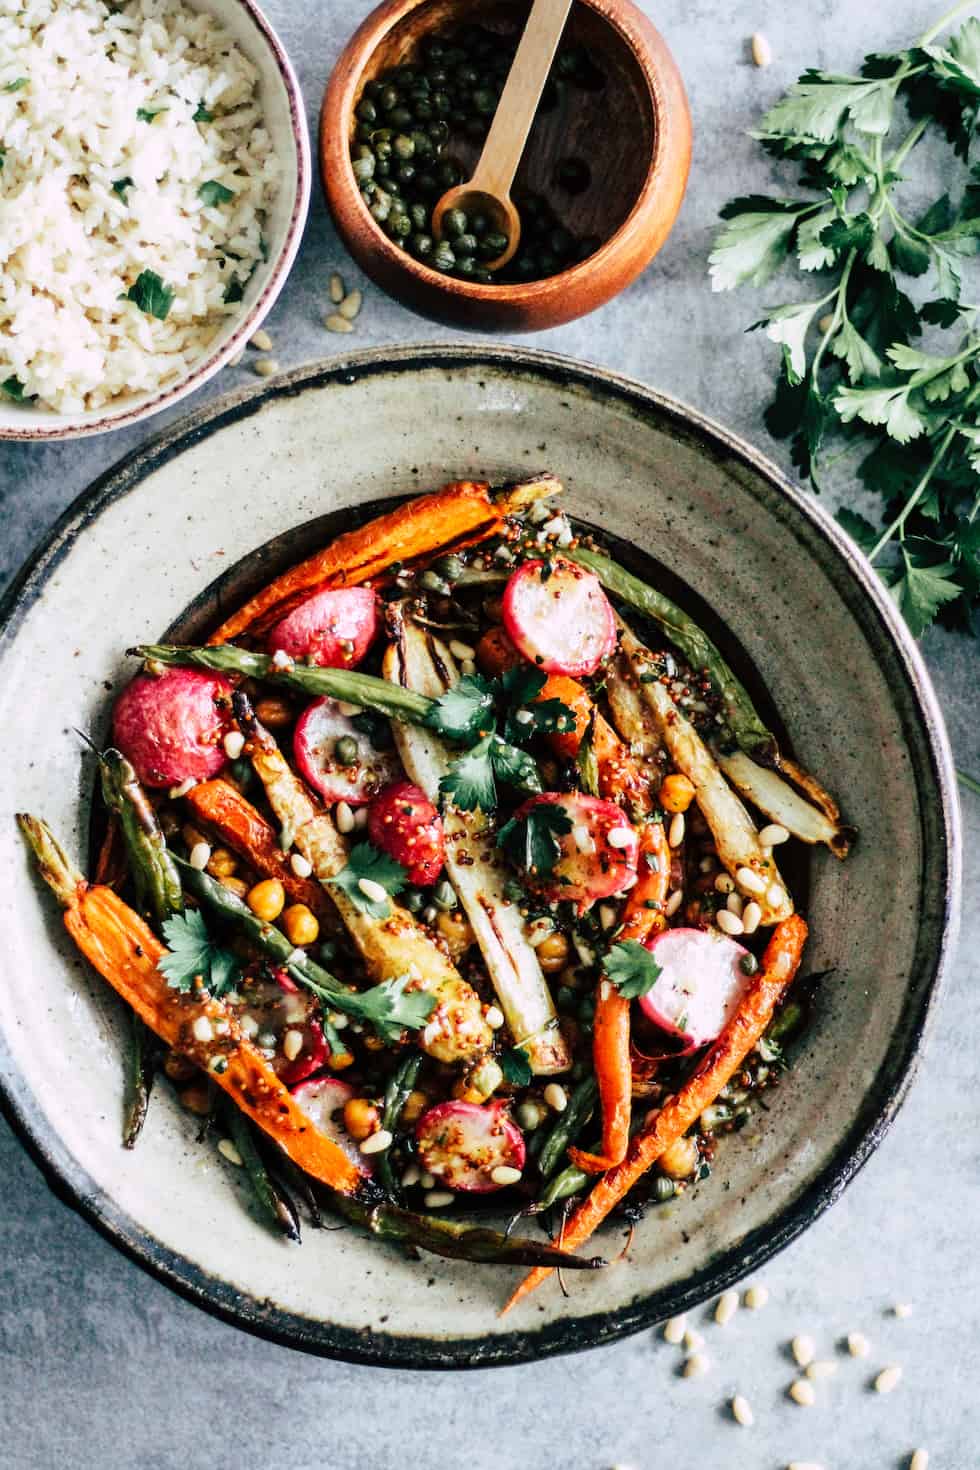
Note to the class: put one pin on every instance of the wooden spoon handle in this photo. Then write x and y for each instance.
(519, 100)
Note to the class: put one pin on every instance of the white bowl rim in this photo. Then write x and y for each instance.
(71, 1183)
(62, 426)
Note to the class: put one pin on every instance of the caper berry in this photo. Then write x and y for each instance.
(389, 98)
(347, 751)
(454, 223)
(444, 896)
(465, 244)
(485, 101)
(663, 1189)
(419, 216)
(413, 900)
(400, 117)
(479, 224)
(451, 567)
(430, 579)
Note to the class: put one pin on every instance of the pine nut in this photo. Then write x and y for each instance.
(426, 1179)
(292, 1045)
(350, 305)
(674, 1330)
(902, 1309)
(234, 743)
(726, 1308)
(919, 1460)
(804, 1465)
(735, 903)
(694, 1366)
(607, 915)
(728, 923)
(803, 1349)
(361, 817)
(556, 1097)
(750, 881)
(776, 895)
(411, 1176)
(266, 367)
(375, 892)
(494, 1018)
(675, 832)
(822, 1368)
(756, 1297)
(202, 1029)
(261, 340)
(200, 856)
(742, 1411)
(236, 361)
(693, 1340)
(344, 817)
(344, 707)
(300, 865)
(337, 323)
(858, 1345)
(438, 1199)
(337, 289)
(761, 50)
(621, 837)
(228, 1151)
(751, 917)
(504, 1174)
(673, 903)
(773, 835)
(802, 1393)
(377, 1142)
(888, 1378)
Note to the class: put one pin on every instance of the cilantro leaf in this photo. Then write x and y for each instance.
(17, 85)
(920, 591)
(13, 388)
(151, 295)
(192, 954)
(754, 243)
(532, 841)
(119, 186)
(469, 782)
(522, 683)
(941, 313)
(631, 967)
(543, 717)
(464, 712)
(147, 114)
(813, 252)
(788, 325)
(365, 863)
(213, 193)
(391, 1008)
(816, 107)
(515, 1067)
(514, 767)
(201, 114)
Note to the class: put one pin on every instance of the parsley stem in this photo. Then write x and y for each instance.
(970, 782)
(944, 21)
(905, 148)
(898, 524)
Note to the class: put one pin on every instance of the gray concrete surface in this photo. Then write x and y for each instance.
(101, 1367)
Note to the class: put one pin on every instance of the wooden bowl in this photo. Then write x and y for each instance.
(634, 132)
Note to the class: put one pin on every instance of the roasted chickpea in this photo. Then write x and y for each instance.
(361, 1118)
(274, 712)
(222, 863)
(455, 929)
(680, 1160)
(340, 1059)
(676, 793)
(553, 953)
(267, 899)
(238, 886)
(301, 924)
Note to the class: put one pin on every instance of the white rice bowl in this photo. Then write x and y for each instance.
(150, 92)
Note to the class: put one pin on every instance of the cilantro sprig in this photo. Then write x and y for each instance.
(193, 955)
(532, 840)
(631, 967)
(849, 366)
(367, 864)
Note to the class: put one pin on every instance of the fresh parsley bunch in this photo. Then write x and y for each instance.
(849, 366)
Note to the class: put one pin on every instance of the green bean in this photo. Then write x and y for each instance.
(140, 1071)
(568, 1125)
(275, 1206)
(155, 877)
(569, 1182)
(400, 1084)
(752, 735)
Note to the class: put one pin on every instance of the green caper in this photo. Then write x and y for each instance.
(421, 245)
(449, 173)
(347, 751)
(441, 104)
(380, 207)
(479, 225)
(388, 99)
(364, 132)
(466, 75)
(366, 110)
(413, 899)
(399, 226)
(465, 265)
(426, 186)
(422, 144)
(430, 579)
(748, 964)
(444, 896)
(403, 145)
(393, 186)
(453, 223)
(419, 216)
(438, 131)
(492, 245)
(451, 567)
(423, 111)
(405, 173)
(485, 101)
(663, 1189)
(327, 951)
(364, 168)
(242, 774)
(465, 244)
(400, 117)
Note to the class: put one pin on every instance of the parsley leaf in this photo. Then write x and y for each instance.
(921, 591)
(151, 295)
(17, 85)
(214, 193)
(754, 244)
(13, 388)
(515, 1067)
(631, 967)
(147, 114)
(192, 954)
(391, 1008)
(119, 186)
(365, 862)
(532, 841)
(514, 767)
(201, 114)
(464, 712)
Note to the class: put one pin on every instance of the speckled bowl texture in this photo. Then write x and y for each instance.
(757, 556)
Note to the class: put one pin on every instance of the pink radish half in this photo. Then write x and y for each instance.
(322, 1100)
(315, 738)
(171, 727)
(334, 629)
(462, 1144)
(700, 984)
(598, 856)
(557, 615)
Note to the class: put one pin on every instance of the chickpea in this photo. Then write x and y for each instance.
(553, 953)
(680, 1160)
(196, 1099)
(341, 1059)
(267, 899)
(238, 886)
(301, 924)
(361, 1118)
(455, 929)
(222, 863)
(415, 1105)
(178, 1068)
(676, 793)
(274, 712)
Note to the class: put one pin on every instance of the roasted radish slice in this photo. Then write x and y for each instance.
(403, 822)
(465, 1145)
(337, 759)
(171, 727)
(598, 849)
(333, 629)
(701, 982)
(322, 1100)
(557, 615)
(287, 1020)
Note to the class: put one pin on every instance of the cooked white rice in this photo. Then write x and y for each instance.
(73, 76)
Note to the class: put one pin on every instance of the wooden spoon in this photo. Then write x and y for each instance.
(488, 191)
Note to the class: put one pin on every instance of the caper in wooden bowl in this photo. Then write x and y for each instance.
(600, 184)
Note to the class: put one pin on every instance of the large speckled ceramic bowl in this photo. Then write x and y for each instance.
(137, 551)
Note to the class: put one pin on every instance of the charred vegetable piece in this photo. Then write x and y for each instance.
(772, 794)
(336, 759)
(568, 1125)
(400, 1084)
(275, 1206)
(171, 726)
(460, 513)
(155, 876)
(127, 954)
(557, 615)
(334, 629)
(140, 1069)
(465, 1145)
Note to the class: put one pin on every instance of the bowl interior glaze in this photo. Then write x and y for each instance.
(795, 600)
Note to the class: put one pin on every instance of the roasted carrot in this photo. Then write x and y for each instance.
(235, 820)
(642, 917)
(126, 952)
(780, 964)
(461, 512)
